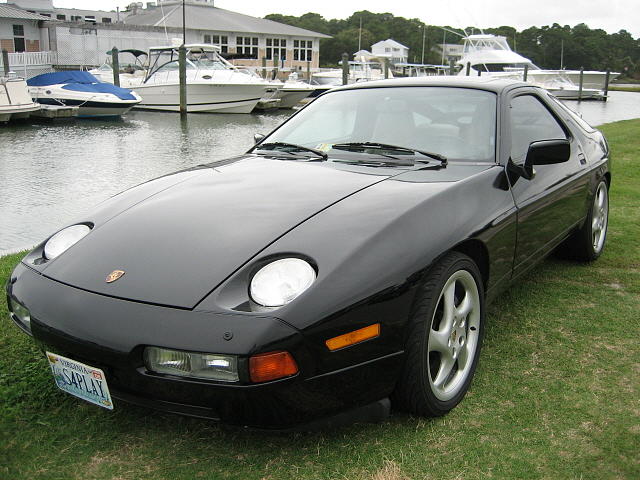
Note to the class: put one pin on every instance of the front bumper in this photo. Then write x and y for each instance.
(110, 334)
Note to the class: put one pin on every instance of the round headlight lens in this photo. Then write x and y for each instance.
(64, 239)
(281, 281)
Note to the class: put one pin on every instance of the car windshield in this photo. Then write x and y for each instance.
(457, 123)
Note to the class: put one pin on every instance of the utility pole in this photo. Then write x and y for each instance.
(424, 35)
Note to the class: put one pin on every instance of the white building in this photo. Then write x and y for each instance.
(389, 48)
(81, 38)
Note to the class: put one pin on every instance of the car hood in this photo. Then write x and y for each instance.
(177, 239)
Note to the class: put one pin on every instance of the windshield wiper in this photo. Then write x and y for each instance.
(364, 146)
(291, 146)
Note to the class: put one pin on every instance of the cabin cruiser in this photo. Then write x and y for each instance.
(77, 88)
(361, 69)
(15, 101)
(213, 84)
(491, 55)
(291, 92)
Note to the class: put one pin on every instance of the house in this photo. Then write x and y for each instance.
(245, 39)
(81, 38)
(389, 48)
(20, 31)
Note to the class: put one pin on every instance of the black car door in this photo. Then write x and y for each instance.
(553, 202)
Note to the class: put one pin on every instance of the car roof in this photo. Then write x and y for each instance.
(491, 84)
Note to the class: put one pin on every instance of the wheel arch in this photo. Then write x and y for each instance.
(478, 252)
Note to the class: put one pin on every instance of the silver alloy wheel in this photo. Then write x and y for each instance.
(453, 335)
(599, 218)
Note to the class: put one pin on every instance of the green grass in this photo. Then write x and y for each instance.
(556, 395)
(616, 88)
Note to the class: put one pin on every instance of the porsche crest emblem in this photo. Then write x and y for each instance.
(115, 275)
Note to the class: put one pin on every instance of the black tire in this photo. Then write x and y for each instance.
(582, 244)
(416, 391)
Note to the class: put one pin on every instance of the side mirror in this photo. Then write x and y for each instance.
(257, 138)
(543, 152)
(548, 152)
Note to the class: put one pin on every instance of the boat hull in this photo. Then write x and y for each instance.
(201, 97)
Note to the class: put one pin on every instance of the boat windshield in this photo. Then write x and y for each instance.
(167, 61)
(458, 123)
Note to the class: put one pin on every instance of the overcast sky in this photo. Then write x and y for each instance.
(610, 15)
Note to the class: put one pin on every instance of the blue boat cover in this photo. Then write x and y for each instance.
(79, 81)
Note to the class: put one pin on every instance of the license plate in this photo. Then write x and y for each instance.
(80, 380)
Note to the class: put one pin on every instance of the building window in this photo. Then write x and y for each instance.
(303, 50)
(76, 18)
(18, 38)
(220, 40)
(46, 15)
(61, 17)
(247, 46)
(276, 48)
(106, 20)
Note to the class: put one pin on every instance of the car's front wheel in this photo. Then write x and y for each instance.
(444, 338)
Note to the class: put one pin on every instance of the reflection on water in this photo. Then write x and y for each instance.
(619, 106)
(51, 173)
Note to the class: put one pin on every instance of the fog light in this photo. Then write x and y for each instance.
(21, 314)
(223, 368)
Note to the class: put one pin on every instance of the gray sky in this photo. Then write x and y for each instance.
(610, 15)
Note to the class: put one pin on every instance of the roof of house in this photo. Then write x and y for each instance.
(207, 17)
(10, 12)
(389, 42)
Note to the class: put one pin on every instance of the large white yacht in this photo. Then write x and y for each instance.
(491, 55)
(15, 101)
(213, 84)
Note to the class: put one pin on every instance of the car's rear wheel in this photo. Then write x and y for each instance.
(444, 338)
(588, 243)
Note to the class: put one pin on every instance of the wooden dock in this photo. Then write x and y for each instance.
(55, 111)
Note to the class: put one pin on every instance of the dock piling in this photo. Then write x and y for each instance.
(309, 71)
(386, 68)
(115, 66)
(5, 61)
(345, 69)
(606, 85)
(451, 67)
(526, 73)
(264, 67)
(468, 68)
(182, 67)
(581, 83)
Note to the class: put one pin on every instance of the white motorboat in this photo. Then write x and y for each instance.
(77, 88)
(213, 84)
(291, 92)
(492, 55)
(15, 101)
(360, 70)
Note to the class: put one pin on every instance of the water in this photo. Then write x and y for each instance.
(52, 173)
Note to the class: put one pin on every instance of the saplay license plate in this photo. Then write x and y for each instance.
(80, 380)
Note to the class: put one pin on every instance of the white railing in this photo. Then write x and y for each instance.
(28, 59)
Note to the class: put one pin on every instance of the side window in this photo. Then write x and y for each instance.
(530, 122)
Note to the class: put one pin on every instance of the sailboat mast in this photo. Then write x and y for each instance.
(360, 36)
(184, 29)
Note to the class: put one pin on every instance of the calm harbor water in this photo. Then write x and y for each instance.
(51, 173)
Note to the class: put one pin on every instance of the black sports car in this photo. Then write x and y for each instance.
(346, 259)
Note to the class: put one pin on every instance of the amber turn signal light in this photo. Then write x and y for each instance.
(354, 337)
(271, 366)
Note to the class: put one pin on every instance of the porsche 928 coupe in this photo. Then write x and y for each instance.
(343, 263)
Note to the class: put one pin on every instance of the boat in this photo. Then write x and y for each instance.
(213, 84)
(292, 91)
(78, 88)
(361, 69)
(488, 54)
(15, 101)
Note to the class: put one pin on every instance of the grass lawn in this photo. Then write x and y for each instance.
(556, 394)
(624, 89)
